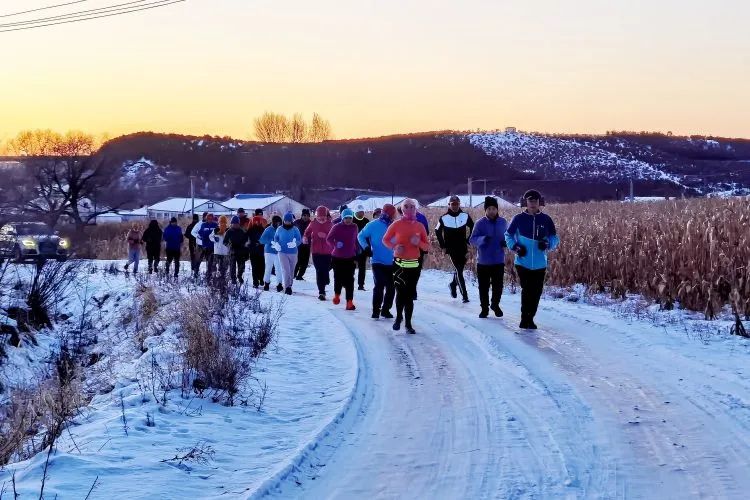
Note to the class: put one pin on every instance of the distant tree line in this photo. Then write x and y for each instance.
(278, 128)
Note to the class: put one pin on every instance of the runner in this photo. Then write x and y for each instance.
(371, 237)
(453, 232)
(489, 239)
(287, 239)
(303, 255)
(271, 254)
(316, 235)
(343, 239)
(361, 221)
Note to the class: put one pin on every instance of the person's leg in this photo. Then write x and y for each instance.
(176, 262)
(412, 278)
(268, 264)
(210, 262)
(389, 289)
(303, 261)
(241, 261)
(287, 266)
(460, 262)
(136, 260)
(537, 287)
(259, 268)
(157, 258)
(351, 267)
(378, 275)
(497, 284)
(319, 279)
(168, 260)
(361, 269)
(401, 292)
(337, 275)
(483, 281)
(233, 267)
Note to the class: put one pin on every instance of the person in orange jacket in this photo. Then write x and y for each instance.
(407, 238)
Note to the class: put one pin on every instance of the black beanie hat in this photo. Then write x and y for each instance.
(276, 220)
(490, 201)
(532, 194)
(305, 211)
(258, 211)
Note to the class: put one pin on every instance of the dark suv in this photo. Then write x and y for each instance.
(31, 241)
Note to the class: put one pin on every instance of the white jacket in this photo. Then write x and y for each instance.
(219, 247)
(194, 234)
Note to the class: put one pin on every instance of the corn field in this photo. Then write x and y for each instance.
(691, 253)
(694, 253)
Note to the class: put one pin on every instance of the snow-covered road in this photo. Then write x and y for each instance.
(589, 406)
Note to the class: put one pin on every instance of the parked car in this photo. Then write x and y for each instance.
(22, 241)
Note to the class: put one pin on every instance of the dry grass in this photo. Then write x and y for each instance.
(695, 252)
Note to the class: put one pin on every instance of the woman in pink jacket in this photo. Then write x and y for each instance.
(316, 235)
(343, 239)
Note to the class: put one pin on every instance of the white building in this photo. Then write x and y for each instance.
(269, 203)
(372, 202)
(473, 201)
(139, 214)
(181, 208)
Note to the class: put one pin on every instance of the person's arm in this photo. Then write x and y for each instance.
(470, 225)
(477, 237)
(510, 233)
(307, 236)
(424, 243)
(196, 230)
(331, 238)
(388, 236)
(554, 239)
(362, 236)
(439, 233)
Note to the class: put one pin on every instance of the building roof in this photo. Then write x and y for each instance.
(477, 201)
(183, 205)
(372, 202)
(252, 201)
(138, 212)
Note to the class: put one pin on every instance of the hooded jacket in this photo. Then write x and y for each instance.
(401, 233)
(267, 238)
(372, 236)
(285, 236)
(134, 239)
(453, 231)
(152, 236)
(254, 233)
(528, 230)
(488, 237)
(205, 230)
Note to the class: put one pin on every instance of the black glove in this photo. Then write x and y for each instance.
(519, 249)
(543, 244)
(216, 230)
(503, 244)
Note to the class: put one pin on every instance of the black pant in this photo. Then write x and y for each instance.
(458, 259)
(258, 263)
(153, 255)
(343, 276)
(303, 260)
(532, 284)
(207, 254)
(322, 265)
(405, 281)
(361, 269)
(384, 291)
(490, 276)
(191, 249)
(173, 255)
(237, 266)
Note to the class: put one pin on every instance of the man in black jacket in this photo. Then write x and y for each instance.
(453, 232)
(361, 221)
(237, 240)
(303, 251)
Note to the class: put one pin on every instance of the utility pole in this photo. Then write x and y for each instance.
(485, 187)
(632, 196)
(192, 196)
(471, 201)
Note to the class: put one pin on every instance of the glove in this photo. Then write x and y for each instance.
(216, 230)
(414, 240)
(339, 244)
(275, 245)
(486, 239)
(503, 244)
(292, 244)
(519, 249)
(305, 241)
(543, 244)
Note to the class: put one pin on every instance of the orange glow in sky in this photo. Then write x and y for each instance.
(380, 67)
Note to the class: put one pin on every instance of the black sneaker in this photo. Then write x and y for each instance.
(279, 287)
(454, 292)
(498, 312)
(465, 300)
(322, 297)
(397, 324)
(361, 288)
(242, 282)
(266, 287)
(288, 291)
(484, 313)
(386, 314)
(299, 278)
(410, 329)
(375, 314)
(531, 325)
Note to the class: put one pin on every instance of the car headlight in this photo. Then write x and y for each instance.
(64, 243)
(28, 243)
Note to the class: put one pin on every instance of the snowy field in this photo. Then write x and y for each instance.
(605, 400)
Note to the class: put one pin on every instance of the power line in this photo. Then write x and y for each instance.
(161, 3)
(42, 8)
(81, 13)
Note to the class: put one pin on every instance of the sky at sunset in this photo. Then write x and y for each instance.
(381, 67)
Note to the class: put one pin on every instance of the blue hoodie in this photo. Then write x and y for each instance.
(206, 230)
(488, 237)
(173, 237)
(286, 235)
(267, 238)
(528, 230)
(372, 236)
(422, 218)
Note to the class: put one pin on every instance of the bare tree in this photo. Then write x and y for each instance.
(272, 127)
(298, 129)
(320, 129)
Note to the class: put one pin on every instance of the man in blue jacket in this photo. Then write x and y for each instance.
(206, 229)
(531, 235)
(371, 237)
(488, 237)
(173, 239)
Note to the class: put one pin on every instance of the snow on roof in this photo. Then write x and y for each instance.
(476, 200)
(252, 201)
(138, 212)
(372, 202)
(182, 205)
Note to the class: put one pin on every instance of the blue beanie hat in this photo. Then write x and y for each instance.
(289, 217)
(347, 212)
(235, 220)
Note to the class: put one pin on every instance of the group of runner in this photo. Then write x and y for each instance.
(396, 241)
